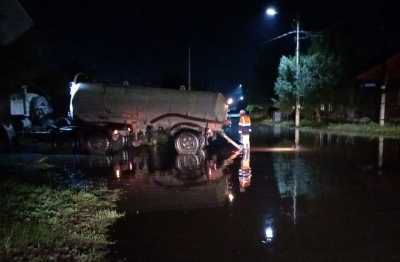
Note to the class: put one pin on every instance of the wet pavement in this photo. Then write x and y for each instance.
(335, 199)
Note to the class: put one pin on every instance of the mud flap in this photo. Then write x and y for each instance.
(9, 131)
(7, 137)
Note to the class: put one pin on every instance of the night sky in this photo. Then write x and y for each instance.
(142, 41)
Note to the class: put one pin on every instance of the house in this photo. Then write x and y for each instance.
(381, 90)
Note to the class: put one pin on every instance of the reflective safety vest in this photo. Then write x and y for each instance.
(245, 120)
(244, 125)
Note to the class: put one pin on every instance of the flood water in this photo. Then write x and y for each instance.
(335, 199)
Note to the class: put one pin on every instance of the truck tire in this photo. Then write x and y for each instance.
(187, 162)
(98, 143)
(187, 143)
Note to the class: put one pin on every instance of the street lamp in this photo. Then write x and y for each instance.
(271, 12)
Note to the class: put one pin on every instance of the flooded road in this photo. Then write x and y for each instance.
(335, 199)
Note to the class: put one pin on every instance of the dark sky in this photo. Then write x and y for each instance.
(143, 40)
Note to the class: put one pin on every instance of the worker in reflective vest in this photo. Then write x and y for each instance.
(245, 129)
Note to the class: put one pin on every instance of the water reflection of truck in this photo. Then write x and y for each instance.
(194, 181)
(108, 118)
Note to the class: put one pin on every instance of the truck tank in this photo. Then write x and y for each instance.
(141, 106)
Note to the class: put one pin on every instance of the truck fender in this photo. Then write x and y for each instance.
(176, 129)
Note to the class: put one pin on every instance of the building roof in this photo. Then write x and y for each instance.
(390, 69)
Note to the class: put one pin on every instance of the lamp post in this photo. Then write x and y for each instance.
(271, 12)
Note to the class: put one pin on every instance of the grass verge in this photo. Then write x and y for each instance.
(363, 130)
(40, 223)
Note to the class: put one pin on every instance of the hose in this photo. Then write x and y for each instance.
(230, 140)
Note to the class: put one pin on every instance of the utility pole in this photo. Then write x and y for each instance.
(385, 79)
(383, 105)
(297, 110)
(189, 71)
(297, 106)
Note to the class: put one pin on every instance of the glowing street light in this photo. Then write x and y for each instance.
(271, 11)
(230, 101)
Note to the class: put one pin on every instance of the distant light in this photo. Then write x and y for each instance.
(230, 101)
(369, 85)
(118, 173)
(241, 98)
(271, 11)
(269, 233)
(240, 85)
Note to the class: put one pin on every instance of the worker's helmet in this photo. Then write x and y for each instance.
(242, 112)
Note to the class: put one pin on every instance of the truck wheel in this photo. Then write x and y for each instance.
(187, 162)
(98, 143)
(187, 143)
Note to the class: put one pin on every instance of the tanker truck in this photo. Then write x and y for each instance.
(110, 117)
(106, 118)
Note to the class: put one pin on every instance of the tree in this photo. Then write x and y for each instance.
(285, 86)
(318, 76)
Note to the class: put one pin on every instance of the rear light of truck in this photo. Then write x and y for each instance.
(117, 173)
(115, 135)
